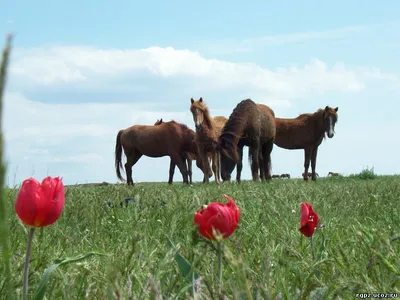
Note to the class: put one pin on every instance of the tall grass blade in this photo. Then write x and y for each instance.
(3, 207)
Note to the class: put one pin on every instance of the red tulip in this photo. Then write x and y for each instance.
(40, 204)
(308, 220)
(222, 217)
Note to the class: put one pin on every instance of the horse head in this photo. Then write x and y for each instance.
(228, 158)
(198, 110)
(330, 118)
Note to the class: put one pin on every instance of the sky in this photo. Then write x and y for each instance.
(81, 71)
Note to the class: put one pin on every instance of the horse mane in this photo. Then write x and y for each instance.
(234, 128)
(317, 113)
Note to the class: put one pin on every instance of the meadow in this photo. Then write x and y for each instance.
(153, 250)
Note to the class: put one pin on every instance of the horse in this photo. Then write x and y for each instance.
(309, 174)
(285, 176)
(306, 132)
(167, 139)
(275, 176)
(333, 174)
(187, 157)
(208, 130)
(251, 125)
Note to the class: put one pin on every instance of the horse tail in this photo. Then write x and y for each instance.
(118, 155)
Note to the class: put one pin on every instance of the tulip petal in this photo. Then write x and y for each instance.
(305, 209)
(27, 198)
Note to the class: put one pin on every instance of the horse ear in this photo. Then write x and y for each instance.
(337, 108)
(201, 99)
(161, 120)
(192, 100)
(327, 108)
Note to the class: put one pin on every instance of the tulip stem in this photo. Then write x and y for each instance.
(312, 247)
(219, 267)
(26, 267)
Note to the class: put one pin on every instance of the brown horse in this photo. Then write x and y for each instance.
(208, 130)
(168, 139)
(251, 125)
(306, 132)
(333, 174)
(187, 157)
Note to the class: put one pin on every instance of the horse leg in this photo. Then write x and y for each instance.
(206, 165)
(239, 165)
(131, 160)
(307, 157)
(267, 159)
(314, 163)
(261, 161)
(171, 171)
(255, 165)
(189, 166)
(215, 165)
(177, 159)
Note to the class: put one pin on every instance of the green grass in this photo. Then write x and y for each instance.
(357, 251)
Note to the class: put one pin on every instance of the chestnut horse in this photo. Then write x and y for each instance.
(208, 130)
(187, 157)
(333, 174)
(168, 139)
(251, 125)
(306, 132)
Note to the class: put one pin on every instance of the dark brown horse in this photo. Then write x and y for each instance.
(285, 176)
(187, 158)
(168, 139)
(306, 132)
(251, 125)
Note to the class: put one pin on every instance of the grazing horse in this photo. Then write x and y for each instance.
(306, 132)
(187, 157)
(285, 176)
(309, 174)
(208, 130)
(333, 174)
(167, 139)
(276, 176)
(251, 125)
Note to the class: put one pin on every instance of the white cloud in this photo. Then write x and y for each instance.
(85, 66)
(246, 45)
(226, 46)
(82, 158)
(59, 121)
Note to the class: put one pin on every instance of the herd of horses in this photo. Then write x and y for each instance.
(217, 143)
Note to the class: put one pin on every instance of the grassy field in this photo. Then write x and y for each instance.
(357, 250)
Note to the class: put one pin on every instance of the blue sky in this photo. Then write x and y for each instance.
(80, 71)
